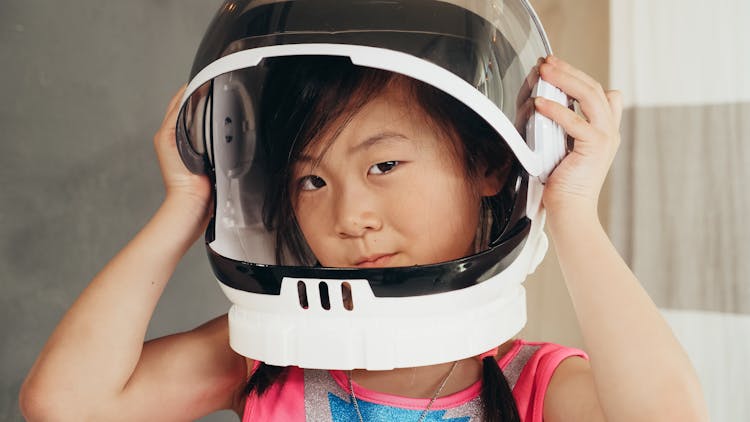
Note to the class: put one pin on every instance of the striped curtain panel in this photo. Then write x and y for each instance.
(680, 186)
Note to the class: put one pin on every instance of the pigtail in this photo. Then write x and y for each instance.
(264, 377)
(499, 404)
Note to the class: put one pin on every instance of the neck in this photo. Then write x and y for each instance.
(421, 381)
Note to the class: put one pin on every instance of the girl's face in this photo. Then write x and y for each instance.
(390, 190)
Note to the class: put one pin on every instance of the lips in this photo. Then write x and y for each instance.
(373, 261)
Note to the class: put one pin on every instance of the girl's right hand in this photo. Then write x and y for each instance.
(179, 182)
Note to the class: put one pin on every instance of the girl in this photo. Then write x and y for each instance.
(351, 192)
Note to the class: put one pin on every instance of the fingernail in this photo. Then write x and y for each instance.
(539, 101)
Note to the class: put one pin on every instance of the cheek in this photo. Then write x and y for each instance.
(443, 219)
(461, 215)
(309, 222)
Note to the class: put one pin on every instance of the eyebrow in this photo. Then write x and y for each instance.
(366, 144)
(376, 139)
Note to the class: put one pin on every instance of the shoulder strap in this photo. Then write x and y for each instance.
(282, 402)
(515, 366)
(529, 372)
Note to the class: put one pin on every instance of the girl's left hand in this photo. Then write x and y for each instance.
(578, 179)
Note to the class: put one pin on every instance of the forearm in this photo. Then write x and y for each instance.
(639, 368)
(97, 344)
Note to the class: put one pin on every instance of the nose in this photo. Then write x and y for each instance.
(355, 214)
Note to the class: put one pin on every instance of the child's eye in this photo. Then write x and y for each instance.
(383, 168)
(311, 183)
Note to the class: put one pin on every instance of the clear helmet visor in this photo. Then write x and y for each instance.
(493, 46)
(482, 53)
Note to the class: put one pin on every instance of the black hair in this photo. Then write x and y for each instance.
(497, 397)
(304, 97)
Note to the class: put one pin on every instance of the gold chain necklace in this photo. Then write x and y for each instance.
(422, 416)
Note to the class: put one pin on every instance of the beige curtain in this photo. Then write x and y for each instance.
(681, 181)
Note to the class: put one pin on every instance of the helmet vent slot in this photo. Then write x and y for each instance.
(302, 293)
(325, 301)
(346, 296)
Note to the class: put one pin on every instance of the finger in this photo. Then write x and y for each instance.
(531, 78)
(615, 104)
(562, 64)
(177, 97)
(523, 112)
(166, 133)
(173, 103)
(573, 124)
(594, 104)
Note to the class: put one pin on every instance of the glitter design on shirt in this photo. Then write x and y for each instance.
(314, 395)
(344, 411)
(513, 370)
(327, 400)
(320, 389)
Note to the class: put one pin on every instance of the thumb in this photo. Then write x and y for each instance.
(614, 98)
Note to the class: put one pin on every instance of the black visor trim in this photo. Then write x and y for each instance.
(418, 280)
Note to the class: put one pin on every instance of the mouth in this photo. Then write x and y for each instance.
(374, 261)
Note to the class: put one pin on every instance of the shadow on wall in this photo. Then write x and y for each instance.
(86, 86)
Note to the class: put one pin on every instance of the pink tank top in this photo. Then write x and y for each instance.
(323, 396)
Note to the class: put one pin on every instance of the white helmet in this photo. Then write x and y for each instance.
(482, 54)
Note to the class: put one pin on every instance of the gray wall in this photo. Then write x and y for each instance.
(84, 87)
